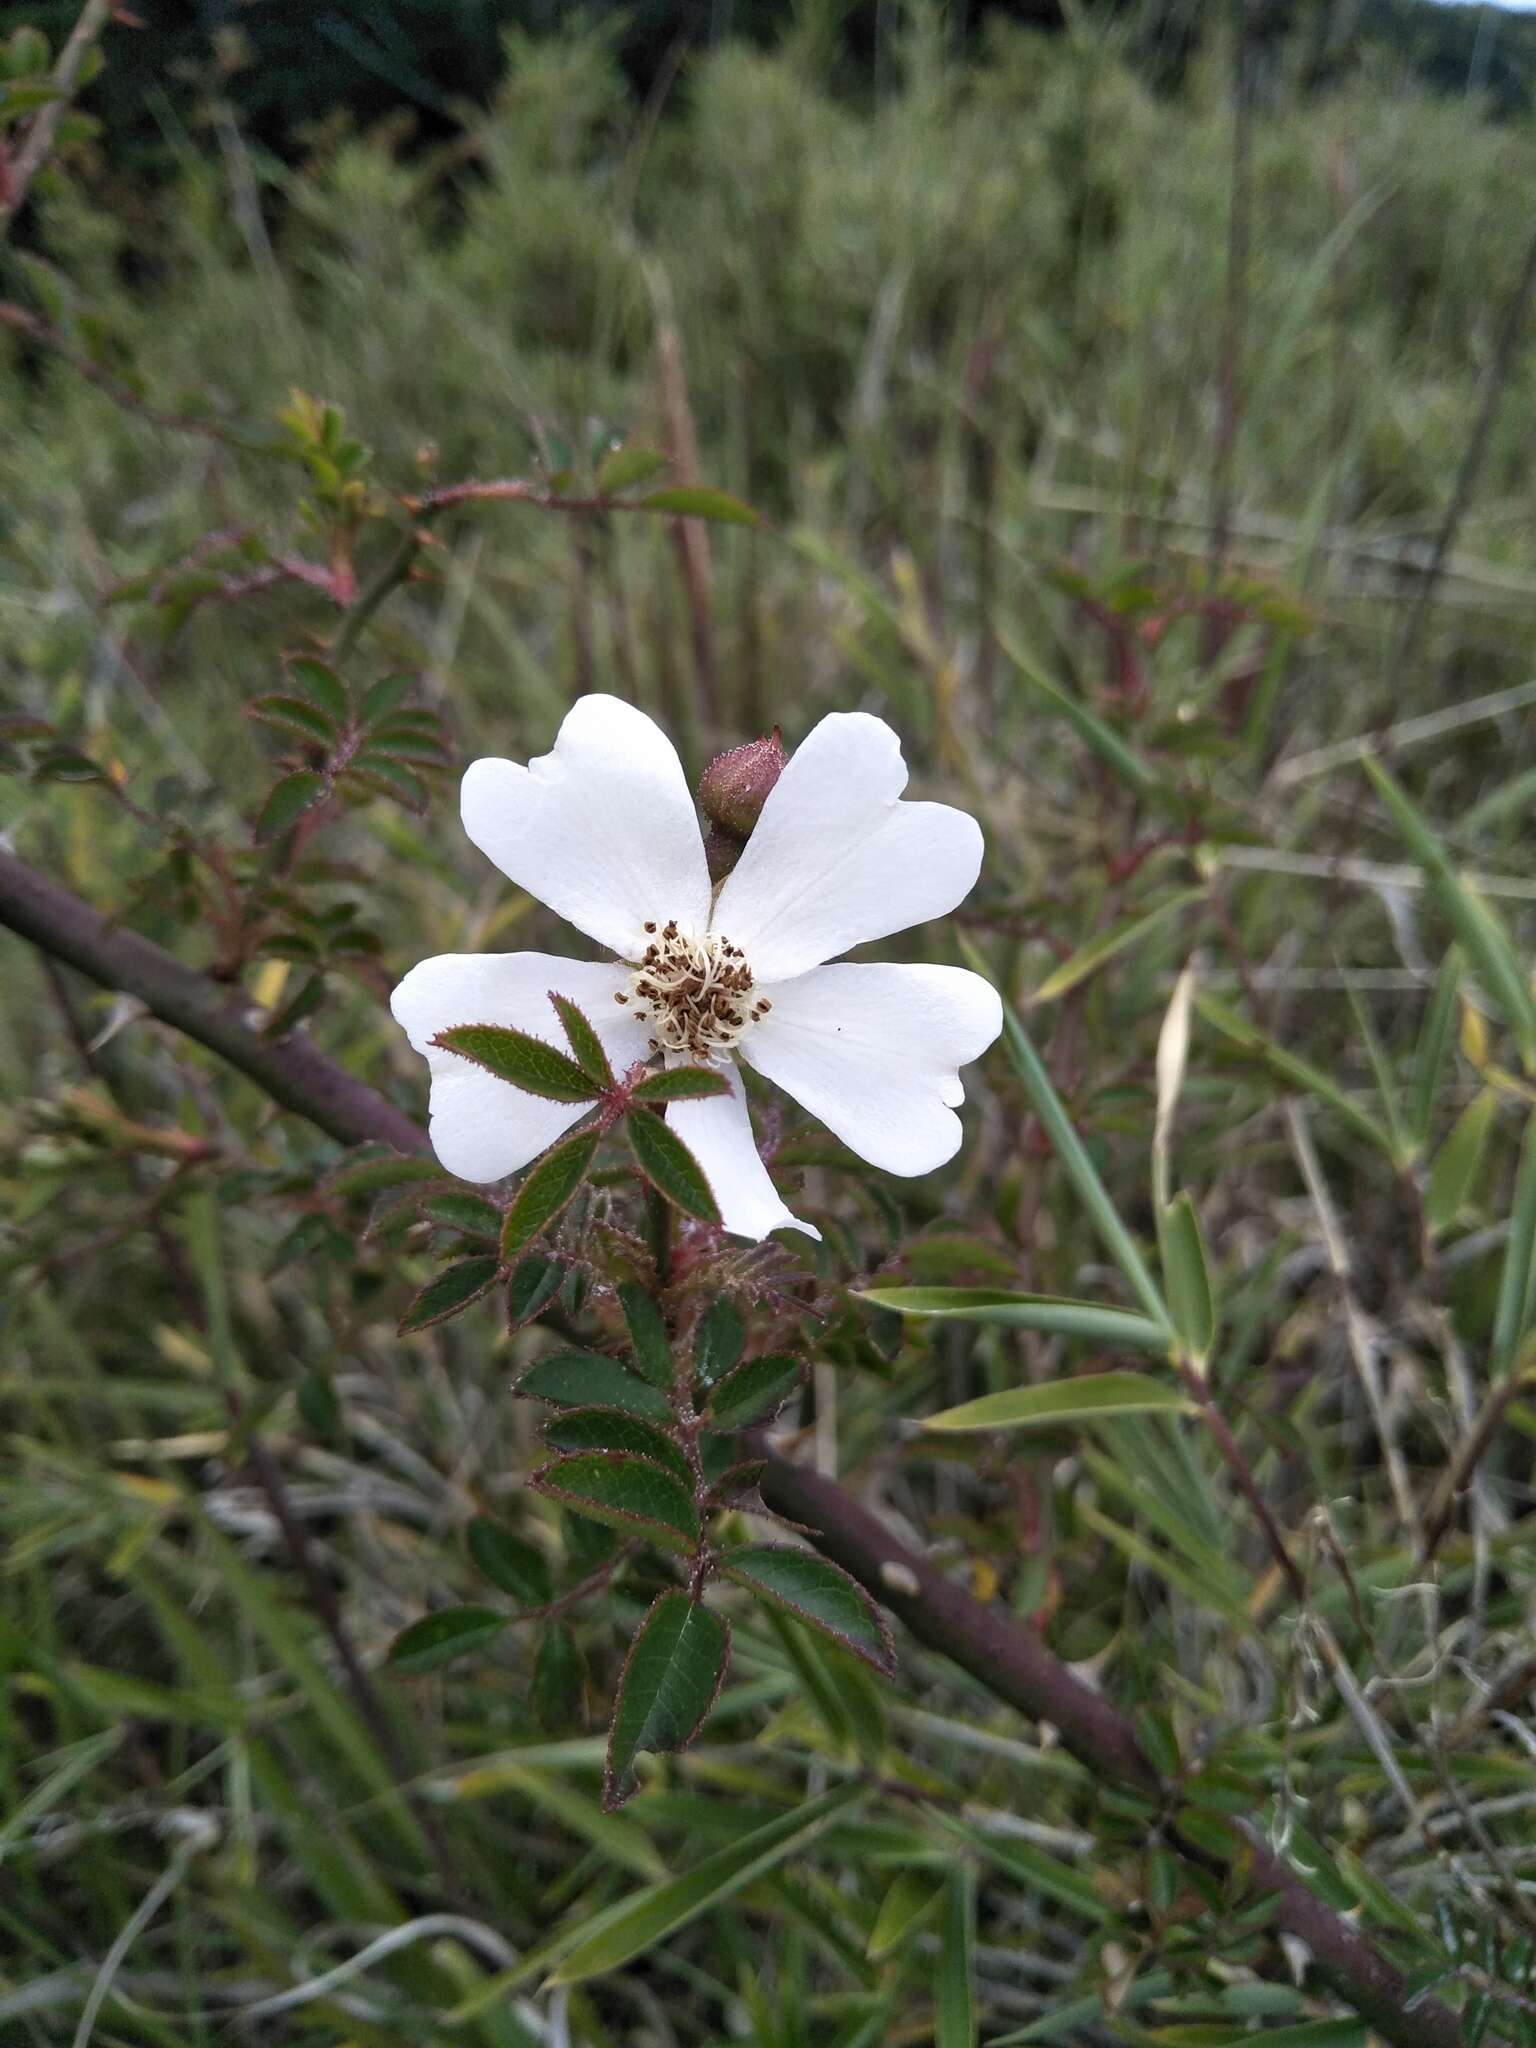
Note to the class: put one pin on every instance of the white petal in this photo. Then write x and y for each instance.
(875, 1052)
(483, 1128)
(718, 1132)
(602, 828)
(836, 858)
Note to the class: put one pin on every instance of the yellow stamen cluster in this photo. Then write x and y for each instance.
(695, 994)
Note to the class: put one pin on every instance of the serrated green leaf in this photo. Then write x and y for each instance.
(295, 714)
(449, 1291)
(535, 1282)
(1187, 1278)
(648, 1334)
(612, 1429)
(698, 501)
(627, 1493)
(384, 776)
(756, 1391)
(817, 1593)
(674, 1670)
(585, 1379)
(548, 1189)
(625, 1930)
(718, 1341)
(586, 1046)
(512, 1564)
(1454, 1173)
(320, 682)
(681, 1084)
(1096, 1397)
(625, 467)
(520, 1059)
(438, 1638)
(369, 1176)
(457, 1209)
(288, 801)
(1013, 1311)
(670, 1167)
(382, 697)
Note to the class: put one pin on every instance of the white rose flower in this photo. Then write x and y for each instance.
(604, 831)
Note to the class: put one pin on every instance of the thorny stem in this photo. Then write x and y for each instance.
(1003, 1653)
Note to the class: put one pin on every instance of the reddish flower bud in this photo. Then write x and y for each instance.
(736, 784)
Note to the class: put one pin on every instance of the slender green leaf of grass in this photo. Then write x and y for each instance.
(1187, 1276)
(1074, 1157)
(908, 1903)
(1386, 1080)
(1096, 1397)
(1053, 1876)
(628, 1929)
(1100, 738)
(1454, 1172)
(954, 1993)
(1512, 1313)
(1291, 1067)
(1006, 1309)
(1482, 936)
(1435, 1037)
(1105, 945)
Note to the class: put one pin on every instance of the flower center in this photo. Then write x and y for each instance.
(695, 994)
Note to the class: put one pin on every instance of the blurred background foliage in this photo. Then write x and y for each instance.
(1126, 521)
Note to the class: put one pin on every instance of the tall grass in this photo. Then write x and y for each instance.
(960, 343)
